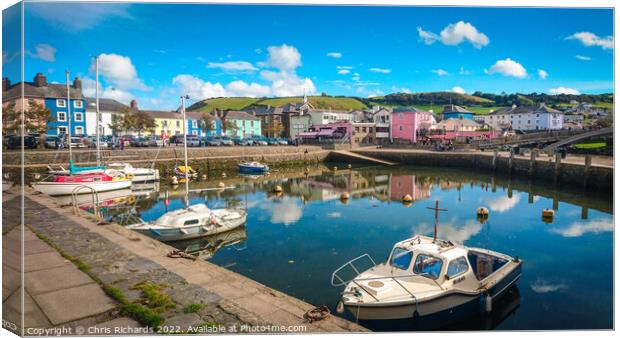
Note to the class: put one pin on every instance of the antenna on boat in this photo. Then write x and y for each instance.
(97, 115)
(69, 117)
(437, 210)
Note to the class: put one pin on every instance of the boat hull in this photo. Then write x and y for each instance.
(253, 169)
(59, 189)
(446, 302)
(201, 230)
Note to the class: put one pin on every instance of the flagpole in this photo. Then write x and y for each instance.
(69, 115)
(97, 110)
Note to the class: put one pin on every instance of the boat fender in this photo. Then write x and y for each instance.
(131, 199)
(212, 219)
(129, 176)
(340, 307)
(221, 185)
(488, 303)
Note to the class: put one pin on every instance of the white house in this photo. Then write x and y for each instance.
(319, 116)
(107, 107)
(538, 117)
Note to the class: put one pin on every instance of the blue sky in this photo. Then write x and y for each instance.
(154, 52)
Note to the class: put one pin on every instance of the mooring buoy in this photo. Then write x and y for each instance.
(174, 180)
(407, 198)
(277, 189)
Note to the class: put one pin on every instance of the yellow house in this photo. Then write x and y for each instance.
(167, 123)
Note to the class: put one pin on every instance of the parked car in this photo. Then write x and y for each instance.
(137, 142)
(282, 141)
(260, 142)
(156, 141)
(126, 140)
(226, 141)
(15, 142)
(241, 141)
(91, 142)
(176, 139)
(212, 141)
(193, 141)
(52, 142)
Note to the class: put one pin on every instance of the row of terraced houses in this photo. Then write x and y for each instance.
(379, 125)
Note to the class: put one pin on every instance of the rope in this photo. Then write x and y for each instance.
(316, 314)
(180, 254)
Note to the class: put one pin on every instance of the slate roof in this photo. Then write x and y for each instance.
(105, 105)
(541, 108)
(51, 90)
(409, 110)
(239, 115)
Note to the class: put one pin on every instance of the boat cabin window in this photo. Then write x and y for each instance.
(428, 266)
(483, 264)
(401, 258)
(457, 266)
(191, 222)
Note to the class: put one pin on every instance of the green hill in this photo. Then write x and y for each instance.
(237, 103)
(222, 103)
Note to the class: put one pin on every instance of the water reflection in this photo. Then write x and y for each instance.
(305, 232)
(206, 247)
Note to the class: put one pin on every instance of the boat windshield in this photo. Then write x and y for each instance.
(401, 258)
(427, 266)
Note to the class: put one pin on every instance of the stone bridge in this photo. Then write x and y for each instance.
(605, 132)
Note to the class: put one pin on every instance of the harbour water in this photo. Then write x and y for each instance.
(294, 240)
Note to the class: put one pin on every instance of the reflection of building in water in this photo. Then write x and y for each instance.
(401, 185)
(206, 247)
(449, 185)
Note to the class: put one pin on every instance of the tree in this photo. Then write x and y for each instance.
(117, 124)
(229, 125)
(144, 122)
(37, 117)
(206, 122)
(10, 119)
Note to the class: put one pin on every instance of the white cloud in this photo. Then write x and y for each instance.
(577, 229)
(380, 70)
(542, 286)
(455, 34)
(454, 230)
(583, 58)
(508, 67)
(285, 83)
(88, 89)
(284, 57)
(440, 72)
(458, 90)
(590, 39)
(463, 71)
(120, 71)
(241, 88)
(198, 89)
(400, 90)
(504, 203)
(334, 214)
(286, 211)
(563, 90)
(75, 17)
(375, 93)
(343, 71)
(233, 66)
(356, 77)
(336, 55)
(344, 67)
(43, 52)
(542, 74)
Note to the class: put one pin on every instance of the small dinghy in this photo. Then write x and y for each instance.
(423, 276)
(253, 167)
(192, 222)
(179, 171)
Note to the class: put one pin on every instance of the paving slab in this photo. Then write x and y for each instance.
(33, 315)
(75, 303)
(11, 259)
(43, 261)
(35, 246)
(63, 277)
(11, 281)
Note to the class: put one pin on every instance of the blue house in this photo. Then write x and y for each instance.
(456, 112)
(54, 97)
(195, 125)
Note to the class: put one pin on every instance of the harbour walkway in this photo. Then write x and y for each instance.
(83, 274)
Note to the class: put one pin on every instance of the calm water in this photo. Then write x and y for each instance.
(293, 241)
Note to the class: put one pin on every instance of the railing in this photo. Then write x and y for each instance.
(94, 195)
(349, 263)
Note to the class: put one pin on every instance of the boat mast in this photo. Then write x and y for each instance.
(437, 210)
(97, 110)
(183, 98)
(69, 116)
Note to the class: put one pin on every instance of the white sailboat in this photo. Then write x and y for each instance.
(191, 221)
(81, 180)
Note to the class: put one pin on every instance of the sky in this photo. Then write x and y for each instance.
(156, 52)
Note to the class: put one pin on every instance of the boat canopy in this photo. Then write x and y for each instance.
(76, 170)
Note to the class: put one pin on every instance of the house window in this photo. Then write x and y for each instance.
(77, 103)
(400, 116)
(79, 130)
(79, 117)
(61, 116)
(60, 103)
(400, 128)
(178, 123)
(62, 130)
(164, 123)
(194, 124)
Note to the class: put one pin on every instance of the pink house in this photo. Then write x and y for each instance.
(408, 122)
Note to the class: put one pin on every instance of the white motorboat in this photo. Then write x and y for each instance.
(425, 276)
(192, 222)
(136, 174)
(81, 184)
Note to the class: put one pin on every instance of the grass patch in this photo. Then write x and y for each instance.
(153, 296)
(223, 103)
(593, 145)
(193, 308)
(319, 102)
(142, 314)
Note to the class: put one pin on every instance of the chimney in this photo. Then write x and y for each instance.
(133, 104)
(77, 83)
(40, 80)
(5, 83)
